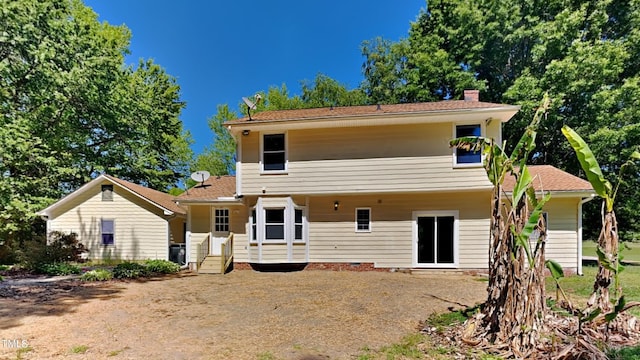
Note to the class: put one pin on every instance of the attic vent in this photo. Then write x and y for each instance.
(107, 192)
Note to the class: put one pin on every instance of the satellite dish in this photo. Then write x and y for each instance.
(200, 176)
(250, 105)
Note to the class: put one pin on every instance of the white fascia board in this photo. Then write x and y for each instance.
(502, 113)
(90, 185)
(79, 191)
(219, 201)
(562, 194)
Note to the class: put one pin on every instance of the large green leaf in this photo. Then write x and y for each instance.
(523, 182)
(527, 141)
(470, 143)
(555, 269)
(522, 238)
(590, 165)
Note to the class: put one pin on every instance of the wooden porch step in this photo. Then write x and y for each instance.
(210, 265)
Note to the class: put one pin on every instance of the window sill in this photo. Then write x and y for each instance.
(276, 242)
(467, 166)
(274, 172)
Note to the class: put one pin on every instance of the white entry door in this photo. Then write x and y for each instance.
(220, 229)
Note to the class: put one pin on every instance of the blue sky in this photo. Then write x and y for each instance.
(220, 51)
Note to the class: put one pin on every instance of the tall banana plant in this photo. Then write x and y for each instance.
(515, 302)
(609, 266)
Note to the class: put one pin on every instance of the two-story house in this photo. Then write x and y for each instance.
(370, 186)
(352, 187)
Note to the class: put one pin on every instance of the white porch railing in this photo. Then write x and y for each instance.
(203, 250)
(226, 250)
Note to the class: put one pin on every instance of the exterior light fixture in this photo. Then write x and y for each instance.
(246, 132)
(336, 205)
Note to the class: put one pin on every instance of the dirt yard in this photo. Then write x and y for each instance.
(241, 315)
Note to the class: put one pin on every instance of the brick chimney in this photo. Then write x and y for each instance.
(472, 95)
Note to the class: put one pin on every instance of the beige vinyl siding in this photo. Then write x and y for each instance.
(201, 225)
(562, 238)
(200, 218)
(389, 244)
(414, 158)
(176, 230)
(141, 232)
(239, 216)
(271, 253)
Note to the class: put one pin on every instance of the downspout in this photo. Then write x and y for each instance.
(582, 202)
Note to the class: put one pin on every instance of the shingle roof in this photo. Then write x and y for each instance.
(549, 178)
(157, 197)
(372, 110)
(214, 188)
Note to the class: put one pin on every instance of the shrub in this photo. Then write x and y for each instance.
(54, 269)
(61, 248)
(162, 266)
(130, 270)
(97, 275)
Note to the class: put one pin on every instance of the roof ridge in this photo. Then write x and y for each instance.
(140, 190)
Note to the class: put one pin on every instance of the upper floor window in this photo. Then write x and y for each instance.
(107, 192)
(466, 156)
(274, 152)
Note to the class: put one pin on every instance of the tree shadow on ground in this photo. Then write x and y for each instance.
(46, 296)
(20, 299)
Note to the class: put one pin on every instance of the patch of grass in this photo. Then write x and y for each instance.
(266, 356)
(80, 349)
(23, 351)
(630, 250)
(407, 348)
(97, 275)
(629, 353)
(4, 267)
(442, 320)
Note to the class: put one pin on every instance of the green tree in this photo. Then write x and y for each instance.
(585, 55)
(218, 159)
(70, 109)
(325, 91)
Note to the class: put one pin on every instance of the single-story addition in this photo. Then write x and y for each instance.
(117, 219)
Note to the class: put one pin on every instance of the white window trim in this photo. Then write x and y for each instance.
(114, 233)
(456, 238)
(215, 221)
(368, 230)
(304, 225)
(289, 225)
(483, 133)
(286, 153)
(285, 231)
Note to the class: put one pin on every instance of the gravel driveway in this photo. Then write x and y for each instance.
(241, 315)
